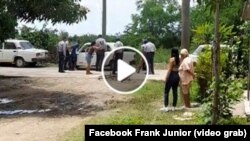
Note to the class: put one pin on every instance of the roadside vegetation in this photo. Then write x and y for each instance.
(220, 74)
(143, 108)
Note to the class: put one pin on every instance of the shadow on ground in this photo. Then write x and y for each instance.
(27, 65)
(27, 101)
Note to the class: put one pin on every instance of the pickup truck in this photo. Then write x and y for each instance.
(21, 52)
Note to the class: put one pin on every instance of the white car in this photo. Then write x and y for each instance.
(194, 56)
(128, 56)
(21, 52)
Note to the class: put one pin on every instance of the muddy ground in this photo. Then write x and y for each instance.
(44, 107)
(45, 104)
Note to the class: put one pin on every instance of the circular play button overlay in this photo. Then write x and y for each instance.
(125, 70)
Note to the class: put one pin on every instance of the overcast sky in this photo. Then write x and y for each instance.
(118, 16)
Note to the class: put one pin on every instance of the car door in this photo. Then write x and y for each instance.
(9, 52)
(81, 61)
(128, 56)
(81, 57)
(93, 60)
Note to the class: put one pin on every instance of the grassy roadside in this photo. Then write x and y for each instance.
(142, 108)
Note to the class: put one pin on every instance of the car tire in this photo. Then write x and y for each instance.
(19, 62)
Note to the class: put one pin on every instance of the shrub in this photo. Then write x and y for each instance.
(203, 70)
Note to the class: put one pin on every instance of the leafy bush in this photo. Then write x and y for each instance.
(203, 34)
(231, 91)
(203, 69)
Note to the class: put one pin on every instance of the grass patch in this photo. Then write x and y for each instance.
(162, 55)
(76, 134)
(160, 66)
(142, 108)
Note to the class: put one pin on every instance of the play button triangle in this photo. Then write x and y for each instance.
(124, 70)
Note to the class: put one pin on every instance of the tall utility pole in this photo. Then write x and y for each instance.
(104, 17)
(185, 34)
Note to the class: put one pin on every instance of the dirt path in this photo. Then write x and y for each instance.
(66, 98)
(52, 103)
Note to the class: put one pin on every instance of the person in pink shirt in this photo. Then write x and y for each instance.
(186, 73)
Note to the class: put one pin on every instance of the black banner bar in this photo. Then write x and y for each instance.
(192, 132)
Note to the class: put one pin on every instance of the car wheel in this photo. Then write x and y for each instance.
(19, 62)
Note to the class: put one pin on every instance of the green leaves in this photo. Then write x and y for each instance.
(157, 20)
(63, 11)
(230, 13)
(66, 11)
(204, 34)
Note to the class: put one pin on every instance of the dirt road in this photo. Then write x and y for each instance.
(41, 104)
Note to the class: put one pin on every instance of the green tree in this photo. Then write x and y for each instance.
(66, 11)
(157, 20)
(204, 33)
(229, 14)
(214, 7)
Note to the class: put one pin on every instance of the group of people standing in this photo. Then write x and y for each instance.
(180, 71)
(100, 47)
(67, 54)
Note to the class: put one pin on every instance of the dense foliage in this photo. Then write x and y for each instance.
(157, 20)
(65, 11)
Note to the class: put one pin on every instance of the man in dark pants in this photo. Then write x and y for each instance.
(142, 64)
(73, 55)
(100, 52)
(117, 55)
(61, 49)
(67, 57)
(150, 56)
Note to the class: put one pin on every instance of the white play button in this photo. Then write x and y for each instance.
(125, 73)
(124, 70)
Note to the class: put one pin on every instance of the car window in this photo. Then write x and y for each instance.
(10, 46)
(26, 45)
(84, 47)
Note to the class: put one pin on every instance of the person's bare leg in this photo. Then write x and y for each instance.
(185, 94)
(183, 100)
(87, 69)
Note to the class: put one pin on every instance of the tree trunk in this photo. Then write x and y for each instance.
(185, 34)
(216, 58)
(104, 17)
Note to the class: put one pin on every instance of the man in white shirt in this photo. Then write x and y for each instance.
(150, 52)
(100, 52)
(61, 49)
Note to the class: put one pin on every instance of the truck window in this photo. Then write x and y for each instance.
(10, 46)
